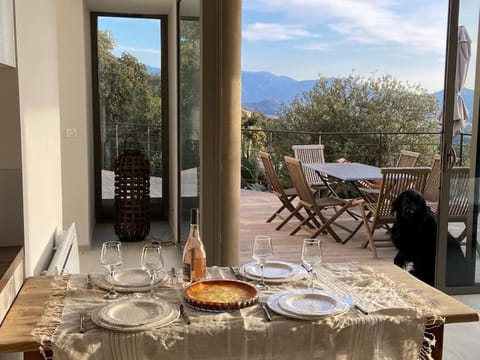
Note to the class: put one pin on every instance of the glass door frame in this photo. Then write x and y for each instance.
(447, 159)
(99, 211)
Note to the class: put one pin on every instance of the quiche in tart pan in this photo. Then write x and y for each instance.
(221, 295)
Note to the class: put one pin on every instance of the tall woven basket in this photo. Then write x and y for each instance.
(132, 193)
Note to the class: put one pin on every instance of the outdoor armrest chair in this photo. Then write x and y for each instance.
(370, 189)
(394, 182)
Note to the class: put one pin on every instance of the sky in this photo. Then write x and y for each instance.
(304, 39)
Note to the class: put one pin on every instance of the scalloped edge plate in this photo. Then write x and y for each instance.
(134, 312)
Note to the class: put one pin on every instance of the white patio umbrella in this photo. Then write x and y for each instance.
(460, 112)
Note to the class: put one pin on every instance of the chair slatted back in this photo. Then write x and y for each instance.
(271, 174)
(313, 154)
(395, 181)
(296, 172)
(432, 186)
(407, 158)
(458, 195)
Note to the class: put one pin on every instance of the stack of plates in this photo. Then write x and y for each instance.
(307, 304)
(274, 271)
(131, 280)
(134, 315)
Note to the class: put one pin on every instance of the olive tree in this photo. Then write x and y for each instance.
(366, 120)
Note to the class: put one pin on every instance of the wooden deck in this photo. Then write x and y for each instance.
(256, 207)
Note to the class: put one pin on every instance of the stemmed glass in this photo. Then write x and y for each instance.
(111, 257)
(262, 250)
(152, 261)
(311, 256)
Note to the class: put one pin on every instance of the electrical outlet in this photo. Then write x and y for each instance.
(71, 132)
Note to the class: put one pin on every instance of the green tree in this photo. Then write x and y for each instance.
(355, 105)
(253, 140)
(130, 101)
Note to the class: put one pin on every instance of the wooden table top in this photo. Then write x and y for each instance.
(15, 332)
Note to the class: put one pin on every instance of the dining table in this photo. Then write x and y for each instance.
(349, 173)
(390, 313)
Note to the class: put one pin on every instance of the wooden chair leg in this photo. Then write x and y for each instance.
(310, 217)
(326, 225)
(370, 229)
(292, 214)
(276, 213)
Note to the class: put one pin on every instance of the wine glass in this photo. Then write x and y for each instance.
(262, 249)
(311, 256)
(111, 257)
(152, 261)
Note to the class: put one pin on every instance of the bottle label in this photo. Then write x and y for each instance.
(199, 269)
(186, 273)
(187, 267)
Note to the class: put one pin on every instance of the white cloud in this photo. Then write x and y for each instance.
(418, 24)
(138, 50)
(315, 47)
(274, 32)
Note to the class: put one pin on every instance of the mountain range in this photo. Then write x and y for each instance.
(264, 92)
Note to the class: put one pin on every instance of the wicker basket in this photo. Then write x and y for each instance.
(132, 193)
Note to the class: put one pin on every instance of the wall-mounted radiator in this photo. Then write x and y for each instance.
(65, 259)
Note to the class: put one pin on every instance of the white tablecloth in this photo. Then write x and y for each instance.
(390, 331)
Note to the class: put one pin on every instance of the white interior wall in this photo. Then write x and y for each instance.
(40, 128)
(77, 168)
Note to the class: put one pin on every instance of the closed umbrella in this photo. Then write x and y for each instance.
(460, 112)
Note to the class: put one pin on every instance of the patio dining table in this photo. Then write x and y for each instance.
(404, 315)
(349, 173)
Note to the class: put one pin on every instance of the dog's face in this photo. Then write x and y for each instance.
(409, 205)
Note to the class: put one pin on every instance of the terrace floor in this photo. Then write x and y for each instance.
(256, 207)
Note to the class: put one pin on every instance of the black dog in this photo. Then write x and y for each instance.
(415, 233)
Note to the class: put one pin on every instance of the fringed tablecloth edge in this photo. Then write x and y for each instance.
(52, 316)
(432, 317)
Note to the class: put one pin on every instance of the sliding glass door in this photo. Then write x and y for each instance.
(188, 111)
(130, 103)
(458, 258)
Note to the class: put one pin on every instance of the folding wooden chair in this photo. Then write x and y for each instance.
(394, 182)
(407, 158)
(315, 205)
(284, 195)
(370, 189)
(313, 154)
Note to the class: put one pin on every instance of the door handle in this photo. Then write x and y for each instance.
(451, 157)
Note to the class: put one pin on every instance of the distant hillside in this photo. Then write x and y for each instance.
(263, 91)
(152, 69)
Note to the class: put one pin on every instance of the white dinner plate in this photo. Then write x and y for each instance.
(103, 281)
(275, 272)
(311, 302)
(134, 312)
(131, 278)
(273, 303)
(271, 269)
(168, 319)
